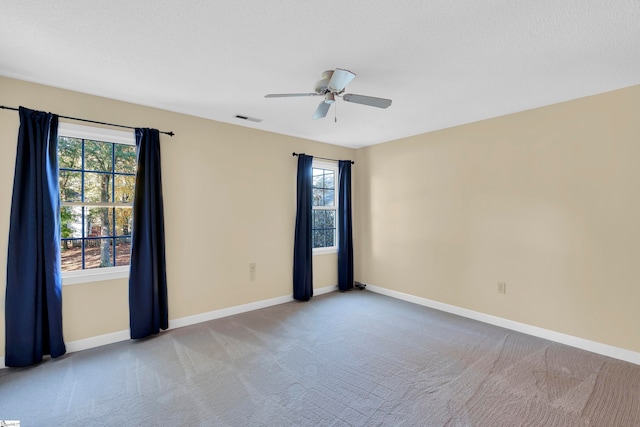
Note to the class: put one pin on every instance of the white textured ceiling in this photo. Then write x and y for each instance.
(442, 62)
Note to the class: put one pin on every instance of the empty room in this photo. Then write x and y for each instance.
(346, 213)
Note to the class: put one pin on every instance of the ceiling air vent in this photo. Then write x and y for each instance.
(251, 119)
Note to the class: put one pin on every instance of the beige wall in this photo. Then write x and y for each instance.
(546, 201)
(229, 195)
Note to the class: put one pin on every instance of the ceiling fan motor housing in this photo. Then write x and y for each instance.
(321, 86)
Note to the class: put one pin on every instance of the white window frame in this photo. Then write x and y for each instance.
(105, 135)
(322, 164)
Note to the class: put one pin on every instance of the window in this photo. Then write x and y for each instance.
(325, 205)
(97, 177)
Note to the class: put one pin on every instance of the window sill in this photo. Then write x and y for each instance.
(94, 275)
(324, 251)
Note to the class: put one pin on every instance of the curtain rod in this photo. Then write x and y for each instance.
(323, 158)
(89, 121)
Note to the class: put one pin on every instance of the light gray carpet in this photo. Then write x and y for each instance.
(354, 358)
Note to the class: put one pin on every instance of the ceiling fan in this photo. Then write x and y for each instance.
(333, 84)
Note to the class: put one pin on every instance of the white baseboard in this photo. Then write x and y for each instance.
(97, 341)
(581, 343)
(325, 290)
(217, 314)
(224, 312)
(113, 337)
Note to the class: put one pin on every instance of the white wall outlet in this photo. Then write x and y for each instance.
(252, 271)
(502, 288)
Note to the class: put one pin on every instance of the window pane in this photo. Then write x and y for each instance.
(71, 254)
(328, 198)
(98, 253)
(324, 228)
(98, 222)
(317, 180)
(319, 219)
(323, 187)
(318, 239)
(329, 179)
(70, 222)
(317, 197)
(330, 221)
(69, 153)
(125, 185)
(123, 251)
(97, 187)
(124, 220)
(70, 186)
(125, 158)
(329, 238)
(98, 156)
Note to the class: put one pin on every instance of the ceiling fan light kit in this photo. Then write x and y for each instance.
(332, 84)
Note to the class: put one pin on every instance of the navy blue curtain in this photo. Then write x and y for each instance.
(148, 309)
(302, 246)
(345, 230)
(33, 303)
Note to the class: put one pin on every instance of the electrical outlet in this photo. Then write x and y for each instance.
(502, 288)
(252, 271)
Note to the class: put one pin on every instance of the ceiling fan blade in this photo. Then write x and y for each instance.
(322, 110)
(288, 95)
(340, 79)
(367, 100)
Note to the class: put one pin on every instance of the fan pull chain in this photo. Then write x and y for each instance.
(335, 113)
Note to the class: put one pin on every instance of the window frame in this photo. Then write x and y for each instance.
(113, 136)
(333, 166)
